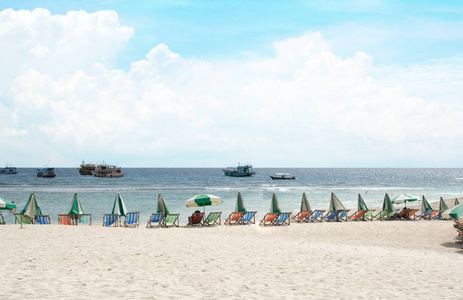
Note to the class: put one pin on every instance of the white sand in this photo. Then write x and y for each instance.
(364, 260)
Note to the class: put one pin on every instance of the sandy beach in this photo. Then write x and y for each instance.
(353, 260)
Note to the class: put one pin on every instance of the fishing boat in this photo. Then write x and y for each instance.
(107, 171)
(87, 169)
(46, 172)
(282, 176)
(240, 171)
(7, 170)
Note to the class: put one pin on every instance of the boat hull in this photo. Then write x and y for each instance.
(280, 178)
(237, 174)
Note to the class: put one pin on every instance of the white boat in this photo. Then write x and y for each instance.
(282, 176)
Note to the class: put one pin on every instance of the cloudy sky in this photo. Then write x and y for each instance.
(212, 83)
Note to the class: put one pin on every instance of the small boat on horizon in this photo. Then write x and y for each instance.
(104, 170)
(87, 168)
(8, 170)
(240, 171)
(282, 176)
(46, 172)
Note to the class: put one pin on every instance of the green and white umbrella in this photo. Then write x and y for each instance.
(305, 206)
(455, 212)
(425, 206)
(361, 204)
(6, 205)
(387, 204)
(119, 207)
(162, 206)
(274, 205)
(76, 207)
(203, 200)
(442, 205)
(404, 198)
(32, 208)
(335, 204)
(239, 207)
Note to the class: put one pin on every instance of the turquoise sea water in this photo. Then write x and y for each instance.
(140, 187)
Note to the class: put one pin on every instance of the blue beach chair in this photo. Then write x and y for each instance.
(283, 218)
(155, 219)
(249, 218)
(342, 214)
(85, 219)
(132, 219)
(110, 220)
(317, 215)
(170, 220)
(42, 220)
(331, 216)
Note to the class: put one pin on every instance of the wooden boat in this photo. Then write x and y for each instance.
(87, 169)
(46, 172)
(107, 171)
(282, 176)
(8, 170)
(240, 171)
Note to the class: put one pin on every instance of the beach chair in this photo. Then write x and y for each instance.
(132, 219)
(213, 218)
(302, 216)
(342, 215)
(22, 219)
(42, 220)
(433, 215)
(369, 215)
(195, 219)
(283, 218)
(425, 215)
(358, 215)
(2, 219)
(411, 214)
(382, 215)
(234, 218)
(316, 215)
(66, 220)
(249, 218)
(331, 216)
(155, 219)
(110, 220)
(269, 219)
(84, 219)
(170, 220)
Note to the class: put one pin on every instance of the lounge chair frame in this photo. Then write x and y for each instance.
(42, 220)
(342, 215)
(302, 216)
(130, 221)
(331, 216)
(358, 215)
(107, 218)
(235, 218)
(195, 219)
(214, 218)
(155, 220)
(249, 218)
(269, 219)
(170, 220)
(283, 218)
(66, 220)
(316, 215)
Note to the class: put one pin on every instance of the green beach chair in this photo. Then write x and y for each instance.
(170, 220)
(369, 215)
(22, 219)
(212, 219)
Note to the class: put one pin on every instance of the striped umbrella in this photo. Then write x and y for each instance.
(239, 207)
(5, 204)
(76, 207)
(404, 198)
(335, 204)
(203, 200)
(387, 204)
(442, 205)
(274, 205)
(119, 206)
(425, 206)
(162, 206)
(305, 206)
(32, 208)
(361, 204)
(455, 212)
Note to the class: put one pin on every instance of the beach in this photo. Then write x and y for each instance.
(348, 260)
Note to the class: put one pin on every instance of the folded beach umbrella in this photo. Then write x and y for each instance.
(442, 205)
(361, 204)
(425, 206)
(76, 207)
(274, 205)
(457, 202)
(239, 207)
(305, 206)
(119, 206)
(162, 206)
(335, 204)
(5, 204)
(387, 204)
(32, 207)
(404, 198)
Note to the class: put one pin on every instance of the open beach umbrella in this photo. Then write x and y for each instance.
(6, 205)
(275, 206)
(361, 204)
(305, 206)
(335, 204)
(162, 206)
(239, 207)
(119, 206)
(455, 212)
(76, 207)
(425, 206)
(32, 208)
(387, 204)
(203, 200)
(404, 198)
(442, 205)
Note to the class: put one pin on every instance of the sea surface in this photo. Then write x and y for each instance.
(140, 188)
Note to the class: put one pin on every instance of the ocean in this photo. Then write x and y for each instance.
(140, 188)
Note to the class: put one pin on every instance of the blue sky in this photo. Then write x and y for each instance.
(275, 83)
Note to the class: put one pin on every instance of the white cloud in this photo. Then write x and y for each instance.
(306, 106)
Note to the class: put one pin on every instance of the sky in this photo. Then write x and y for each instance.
(352, 83)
